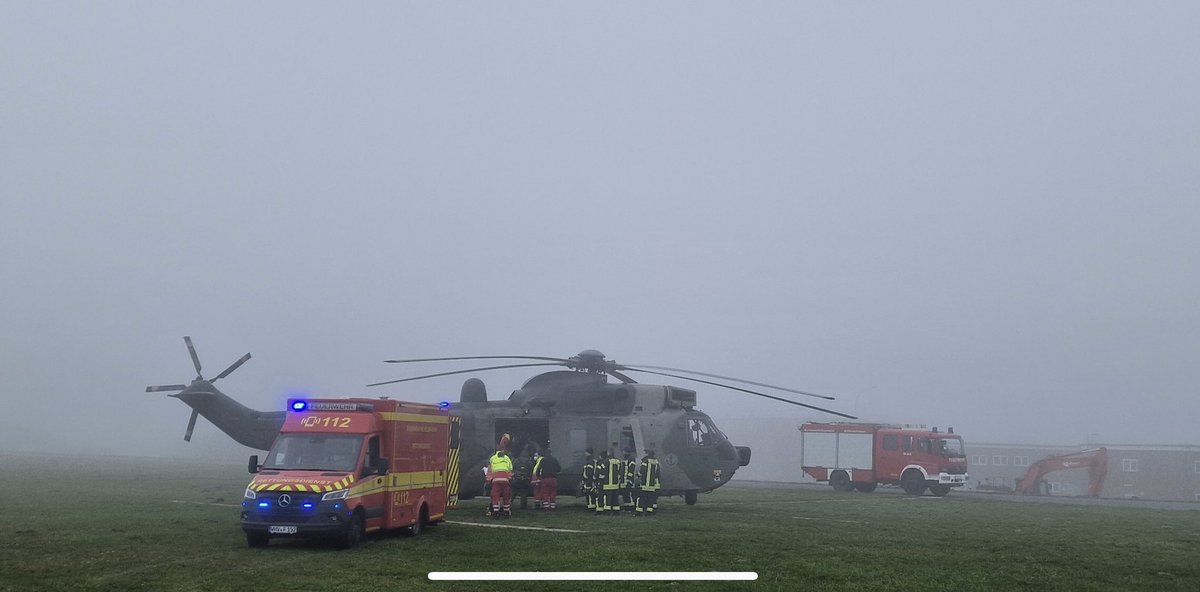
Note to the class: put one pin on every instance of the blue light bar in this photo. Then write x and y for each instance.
(444, 404)
(299, 405)
(264, 504)
(307, 505)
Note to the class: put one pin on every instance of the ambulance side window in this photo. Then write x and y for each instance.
(372, 454)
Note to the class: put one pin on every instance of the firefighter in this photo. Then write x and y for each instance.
(611, 478)
(500, 469)
(546, 472)
(629, 468)
(539, 497)
(587, 484)
(650, 479)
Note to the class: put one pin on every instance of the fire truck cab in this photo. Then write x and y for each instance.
(343, 467)
(861, 456)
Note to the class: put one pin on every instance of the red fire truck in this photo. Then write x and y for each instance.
(343, 467)
(863, 455)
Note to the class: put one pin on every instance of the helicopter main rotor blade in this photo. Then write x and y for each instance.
(192, 350)
(743, 380)
(563, 360)
(745, 391)
(187, 436)
(232, 368)
(165, 387)
(462, 372)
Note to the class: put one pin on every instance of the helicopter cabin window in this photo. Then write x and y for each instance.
(700, 433)
(891, 442)
(627, 443)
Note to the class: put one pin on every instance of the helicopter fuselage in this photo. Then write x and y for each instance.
(567, 411)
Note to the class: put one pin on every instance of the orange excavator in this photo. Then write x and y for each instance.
(1095, 460)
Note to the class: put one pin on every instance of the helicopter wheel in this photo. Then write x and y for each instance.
(689, 497)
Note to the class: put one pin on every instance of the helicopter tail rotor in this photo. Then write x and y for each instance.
(183, 389)
(187, 436)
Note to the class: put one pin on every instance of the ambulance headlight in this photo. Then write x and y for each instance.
(251, 494)
(335, 495)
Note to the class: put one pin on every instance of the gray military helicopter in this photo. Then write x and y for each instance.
(569, 410)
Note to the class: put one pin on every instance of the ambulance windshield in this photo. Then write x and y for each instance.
(314, 453)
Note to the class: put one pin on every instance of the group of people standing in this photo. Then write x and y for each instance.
(609, 484)
(612, 484)
(542, 478)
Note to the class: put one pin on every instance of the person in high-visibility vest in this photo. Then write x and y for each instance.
(629, 468)
(650, 479)
(546, 472)
(536, 483)
(587, 483)
(611, 478)
(500, 469)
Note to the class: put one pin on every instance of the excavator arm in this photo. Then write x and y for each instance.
(1094, 460)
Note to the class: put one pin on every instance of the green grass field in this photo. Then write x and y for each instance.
(141, 524)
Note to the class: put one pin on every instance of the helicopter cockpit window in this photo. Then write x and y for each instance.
(329, 453)
(700, 433)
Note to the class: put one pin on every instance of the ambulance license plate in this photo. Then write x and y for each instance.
(281, 530)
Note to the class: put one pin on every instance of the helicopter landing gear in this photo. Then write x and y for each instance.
(689, 497)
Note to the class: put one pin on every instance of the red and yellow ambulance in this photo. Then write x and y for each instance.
(343, 467)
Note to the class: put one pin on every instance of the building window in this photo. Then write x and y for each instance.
(1197, 465)
(979, 459)
(1020, 461)
(1000, 461)
(1129, 465)
(1056, 487)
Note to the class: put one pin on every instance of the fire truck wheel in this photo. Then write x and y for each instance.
(865, 487)
(940, 490)
(840, 481)
(257, 539)
(913, 482)
(353, 533)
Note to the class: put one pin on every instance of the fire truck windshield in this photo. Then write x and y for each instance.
(317, 453)
(949, 447)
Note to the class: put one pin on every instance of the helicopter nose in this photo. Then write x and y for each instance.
(743, 455)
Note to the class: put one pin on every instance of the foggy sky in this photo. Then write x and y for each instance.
(977, 215)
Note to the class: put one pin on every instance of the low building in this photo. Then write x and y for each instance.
(1134, 471)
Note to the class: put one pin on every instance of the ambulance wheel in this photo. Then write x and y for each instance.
(689, 497)
(840, 481)
(353, 533)
(940, 490)
(865, 487)
(419, 526)
(913, 482)
(257, 539)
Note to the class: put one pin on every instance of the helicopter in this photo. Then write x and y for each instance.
(567, 411)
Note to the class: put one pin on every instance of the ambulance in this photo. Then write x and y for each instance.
(340, 468)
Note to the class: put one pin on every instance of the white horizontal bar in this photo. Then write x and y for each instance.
(593, 575)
